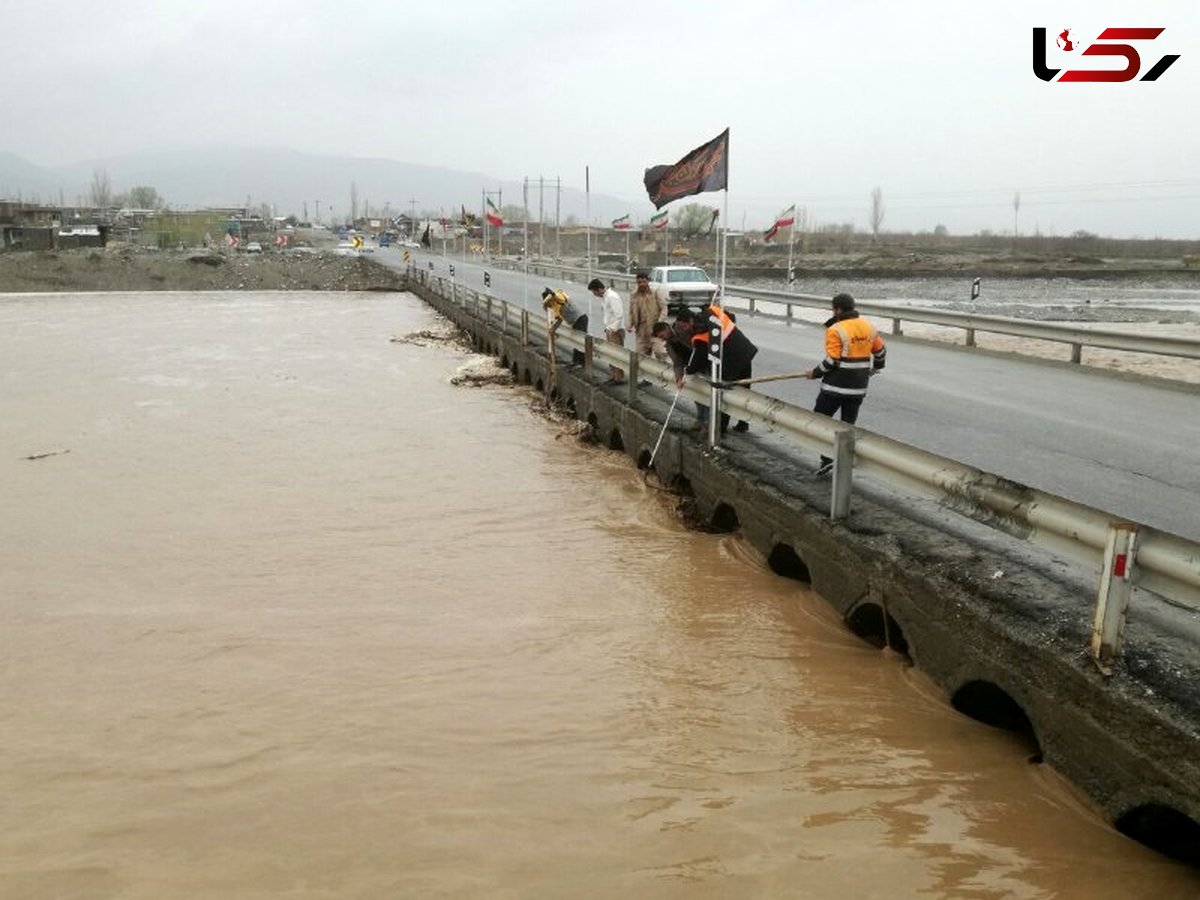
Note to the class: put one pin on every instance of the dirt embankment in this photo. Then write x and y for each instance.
(130, 269)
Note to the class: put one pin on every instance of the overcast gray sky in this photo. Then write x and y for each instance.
(934, 102)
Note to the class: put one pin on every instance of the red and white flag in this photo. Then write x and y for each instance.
(783, 220)
(493, 214)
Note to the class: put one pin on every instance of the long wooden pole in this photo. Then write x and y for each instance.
(748, 381)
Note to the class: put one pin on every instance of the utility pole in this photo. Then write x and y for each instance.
(316, 211)
(412, 217)
(558, 220)
(541, 215)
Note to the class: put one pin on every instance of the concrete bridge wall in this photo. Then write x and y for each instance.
(990, 645)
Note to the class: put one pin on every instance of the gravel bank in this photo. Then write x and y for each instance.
(130, 269)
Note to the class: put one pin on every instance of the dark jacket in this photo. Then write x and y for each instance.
(737, 350)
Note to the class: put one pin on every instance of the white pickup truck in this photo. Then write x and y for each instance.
(682, 286)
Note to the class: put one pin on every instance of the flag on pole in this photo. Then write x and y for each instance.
(783, 220)
(622, 224)
(704, 169)
(467, 219)
(659, 220)
(493, 215)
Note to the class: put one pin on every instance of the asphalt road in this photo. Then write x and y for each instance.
(1127, 446)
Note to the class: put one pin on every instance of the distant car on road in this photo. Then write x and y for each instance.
(254, 247)
(682, 287)
(345, 248)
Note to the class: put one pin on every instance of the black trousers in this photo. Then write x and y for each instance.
(829, 403)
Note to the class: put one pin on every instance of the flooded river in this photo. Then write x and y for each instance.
(283, 613)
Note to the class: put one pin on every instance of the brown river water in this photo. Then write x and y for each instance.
(296, 617)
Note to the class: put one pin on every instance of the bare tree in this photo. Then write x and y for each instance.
(694, 219)
(100, 195)
(144, 197)
(878, 211)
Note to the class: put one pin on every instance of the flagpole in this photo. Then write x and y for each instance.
(791, 243)
(525, 250)
(714, 409)
(483, 212)
(587, 193)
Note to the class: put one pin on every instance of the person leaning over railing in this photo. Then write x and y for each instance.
(683, 342)
(853, 351)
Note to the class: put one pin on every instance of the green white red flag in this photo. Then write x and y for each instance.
(783, 220)
(659, 220)
(493, 214)
(622, 224)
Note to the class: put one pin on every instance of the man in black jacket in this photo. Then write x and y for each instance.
(688, 346)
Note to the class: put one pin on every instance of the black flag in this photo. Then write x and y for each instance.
(426, 241)
(704, 169)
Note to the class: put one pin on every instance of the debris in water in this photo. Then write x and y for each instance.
(44, 455)
(424, 338)
(480, 371)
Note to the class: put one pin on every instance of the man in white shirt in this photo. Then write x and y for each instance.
(614, 321)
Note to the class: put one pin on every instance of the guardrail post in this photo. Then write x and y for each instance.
(632, 380)
(1108, 628)
(587, 356)
(970, 337)
(524, 327)
(1077, 353)
(789, 314)
(504, 317)
(896, 329)
(751, 306)
(488, 319)
(843, 471)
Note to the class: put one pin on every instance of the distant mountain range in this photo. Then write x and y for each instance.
(287, 180)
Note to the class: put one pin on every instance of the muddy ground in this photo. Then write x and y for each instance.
(133, 269)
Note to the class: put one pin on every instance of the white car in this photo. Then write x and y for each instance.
(345, 248)
(254, 247)
(682, 286)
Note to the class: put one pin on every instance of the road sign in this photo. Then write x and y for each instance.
(451, 270)
(487, 279)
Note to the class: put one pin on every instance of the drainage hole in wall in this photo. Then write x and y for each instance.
(987, 703)
(1164, 829)
(787, 562)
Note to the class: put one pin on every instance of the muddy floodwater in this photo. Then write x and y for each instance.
(284, 613)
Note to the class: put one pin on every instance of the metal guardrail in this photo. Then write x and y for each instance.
(1126, 554)
(1076, 337)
